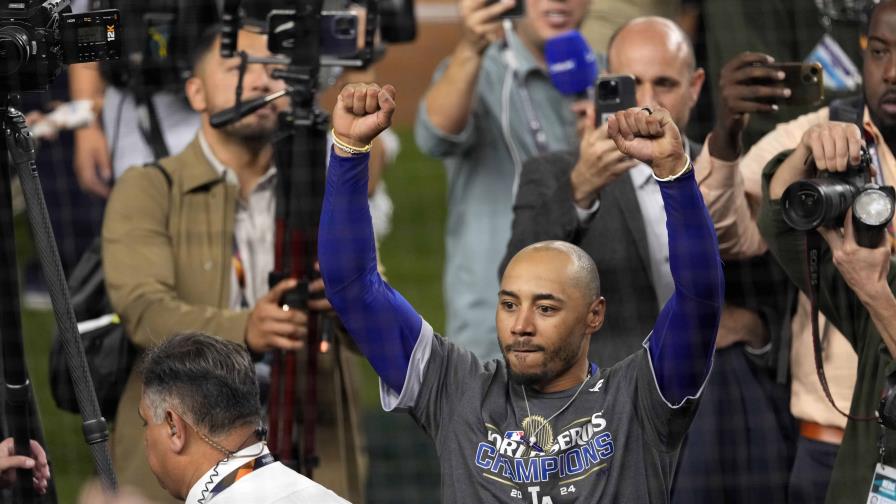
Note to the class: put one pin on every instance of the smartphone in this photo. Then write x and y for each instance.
(338, 32)
(613, 93)
(518, 10)
(805, 81)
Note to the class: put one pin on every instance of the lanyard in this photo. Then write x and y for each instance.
(241, 471)
(240, 270)
(535, 127)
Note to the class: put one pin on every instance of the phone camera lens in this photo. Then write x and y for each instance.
(344, 26)
(608, 90)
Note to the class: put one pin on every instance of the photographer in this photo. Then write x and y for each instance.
(188, 245)
(488, 109)
(734, 205)
(855, 294)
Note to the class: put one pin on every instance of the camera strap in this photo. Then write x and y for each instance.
(813, 251)
(148, 123)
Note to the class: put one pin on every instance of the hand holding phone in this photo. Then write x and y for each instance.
(614, 93)
(804, 80)
(482, 21)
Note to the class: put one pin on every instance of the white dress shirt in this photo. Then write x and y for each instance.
(272, 484)
(253, 230)
(653, 212)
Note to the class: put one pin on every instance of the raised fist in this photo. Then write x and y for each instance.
(362, 112)
(649, 136)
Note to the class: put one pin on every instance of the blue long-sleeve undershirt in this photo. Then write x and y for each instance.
(386, 327)
(382, 323)
(684, 335)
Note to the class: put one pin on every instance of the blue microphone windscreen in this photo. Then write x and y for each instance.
(572, 64)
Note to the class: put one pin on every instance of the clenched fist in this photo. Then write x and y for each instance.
(362, 112)
(649, 136)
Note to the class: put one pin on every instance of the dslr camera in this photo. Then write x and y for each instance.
(38, 37)
(824, 201)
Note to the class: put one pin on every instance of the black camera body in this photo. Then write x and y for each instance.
(38, 37)
(825, 200)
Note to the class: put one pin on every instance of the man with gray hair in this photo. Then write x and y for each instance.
(203, 430)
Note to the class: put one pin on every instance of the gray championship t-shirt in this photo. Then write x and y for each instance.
(617, 442)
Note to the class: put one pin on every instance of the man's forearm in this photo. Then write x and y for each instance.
(382, 323)
(86, 83)
(723, 192)
(682, 343)
(449, 100)
(792, 169)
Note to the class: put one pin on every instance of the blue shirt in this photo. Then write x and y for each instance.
(482, 176)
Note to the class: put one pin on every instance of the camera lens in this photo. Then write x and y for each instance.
(608, 90)
(15, 49)
(810, 203)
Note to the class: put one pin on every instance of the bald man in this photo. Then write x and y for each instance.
(583, 197)
(610, 206)
(544, 424)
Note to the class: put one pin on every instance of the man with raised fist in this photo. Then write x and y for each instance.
(543, 424)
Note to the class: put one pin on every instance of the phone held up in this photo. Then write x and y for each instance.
(805, 81)
(517, 11)
(614, 93)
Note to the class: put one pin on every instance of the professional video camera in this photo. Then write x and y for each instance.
(38, 37)
(824, 201)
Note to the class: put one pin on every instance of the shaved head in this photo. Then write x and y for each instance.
(640, 29)
(549, 305)
(582, 272)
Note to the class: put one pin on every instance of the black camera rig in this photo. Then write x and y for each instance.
(38, 37)
(302, 39)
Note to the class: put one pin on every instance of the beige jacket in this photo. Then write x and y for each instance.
(167, 263)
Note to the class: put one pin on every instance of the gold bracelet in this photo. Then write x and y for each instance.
(346, 147)
(670, 178)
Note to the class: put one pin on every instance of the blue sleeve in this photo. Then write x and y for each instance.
(382, 323)
(683, 339)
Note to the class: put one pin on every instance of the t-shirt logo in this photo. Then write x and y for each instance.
(597, 386)
(583, 449)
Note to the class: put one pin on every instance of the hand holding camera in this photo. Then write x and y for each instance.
(863, 268)
(599, 164)
(832, 145)
(651, 137)
(844, 186)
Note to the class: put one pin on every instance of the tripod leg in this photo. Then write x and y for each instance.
(96, 432)
(15, 373)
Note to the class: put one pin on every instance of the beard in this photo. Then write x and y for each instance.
(247, 132)
(555, 361)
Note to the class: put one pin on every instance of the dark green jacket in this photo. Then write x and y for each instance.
(854, 468)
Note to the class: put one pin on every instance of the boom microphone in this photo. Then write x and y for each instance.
(234, 114)
(572, 64)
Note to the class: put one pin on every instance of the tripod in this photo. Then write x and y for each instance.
(20, 411)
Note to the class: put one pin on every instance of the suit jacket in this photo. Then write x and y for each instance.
(167, 263)
(615, 238)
